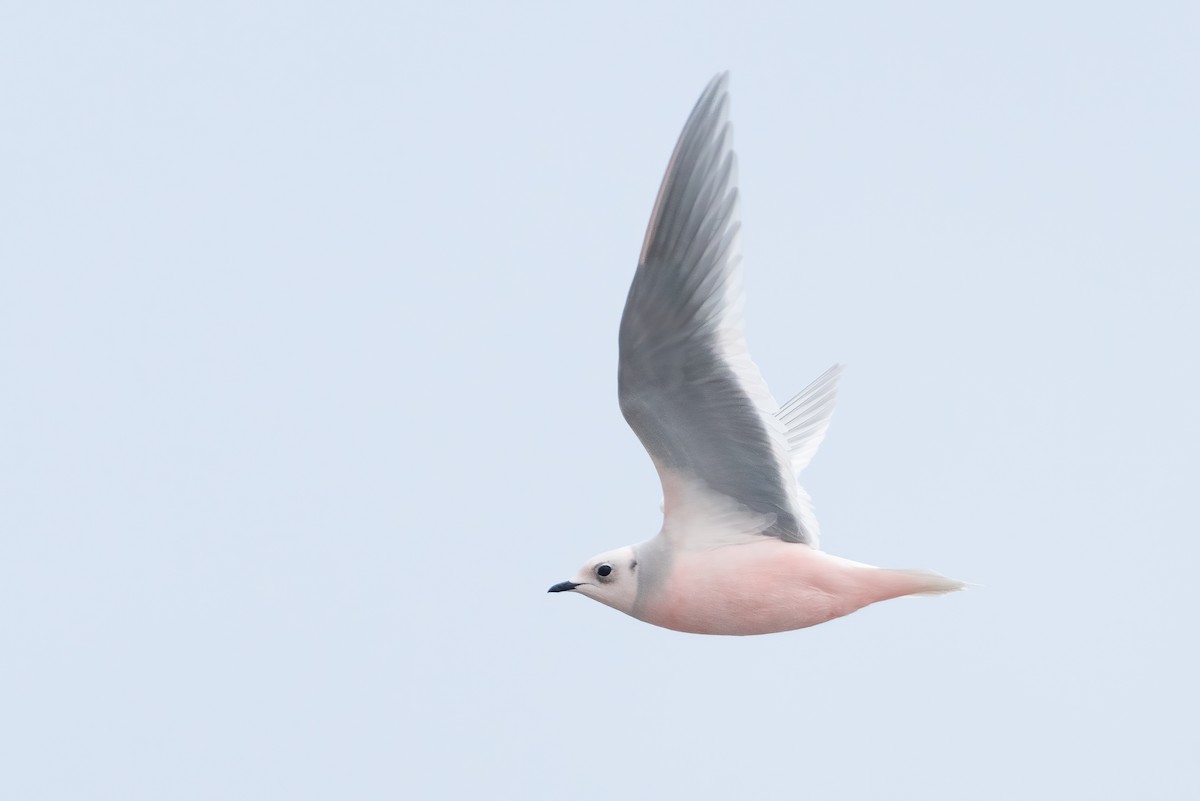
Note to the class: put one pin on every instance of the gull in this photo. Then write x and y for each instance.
(738, 552)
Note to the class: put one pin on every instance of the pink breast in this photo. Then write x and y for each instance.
(754, 588)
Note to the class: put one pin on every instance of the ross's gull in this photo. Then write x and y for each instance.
(737, 552)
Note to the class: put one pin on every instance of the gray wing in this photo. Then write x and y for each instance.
(687, 385)
(806, 417)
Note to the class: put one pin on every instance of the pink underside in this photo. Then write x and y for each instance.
(765, 586)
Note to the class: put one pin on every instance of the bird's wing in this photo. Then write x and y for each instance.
(687, 385)
(806, 417)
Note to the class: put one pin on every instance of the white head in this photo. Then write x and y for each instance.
(610, 578)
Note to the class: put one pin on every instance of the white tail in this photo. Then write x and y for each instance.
(926, 582)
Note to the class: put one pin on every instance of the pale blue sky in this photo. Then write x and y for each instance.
(308, 328)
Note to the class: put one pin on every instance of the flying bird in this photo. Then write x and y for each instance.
(738, 549)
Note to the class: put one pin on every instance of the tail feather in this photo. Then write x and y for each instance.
(926, 582)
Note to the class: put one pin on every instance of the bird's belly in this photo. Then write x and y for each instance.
(755, 588)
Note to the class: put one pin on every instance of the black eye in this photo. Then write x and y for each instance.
(603, 571)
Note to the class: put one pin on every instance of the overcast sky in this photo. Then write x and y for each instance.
(308, 320)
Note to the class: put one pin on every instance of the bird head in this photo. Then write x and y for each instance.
(610, 578)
